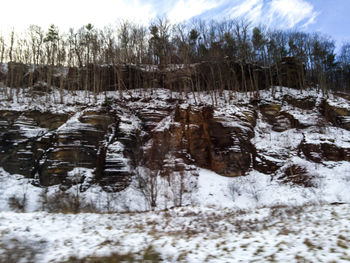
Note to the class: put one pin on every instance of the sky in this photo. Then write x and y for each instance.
(330, 17)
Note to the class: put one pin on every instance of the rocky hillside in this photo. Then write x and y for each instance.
(294, 138)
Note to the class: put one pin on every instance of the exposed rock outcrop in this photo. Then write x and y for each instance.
(167, 132)
(339, 116)
(325, 152)
(25, 137)
(201, 136)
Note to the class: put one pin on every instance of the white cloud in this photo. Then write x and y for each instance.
(19, 14)
(71, 13)
(186, 9)
(251, 9)
(275, 13)
(311, 20)
(291, 12)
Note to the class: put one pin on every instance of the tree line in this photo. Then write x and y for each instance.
(163, 44)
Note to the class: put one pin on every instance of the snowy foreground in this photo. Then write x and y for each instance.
(261, 221)
(188, 234)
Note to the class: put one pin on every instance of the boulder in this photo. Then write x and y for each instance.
(265, 164)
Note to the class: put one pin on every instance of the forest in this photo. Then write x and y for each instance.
(200, 55)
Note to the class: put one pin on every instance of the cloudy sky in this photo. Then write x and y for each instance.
(328, 16)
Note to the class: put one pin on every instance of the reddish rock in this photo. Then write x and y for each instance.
(224, 149)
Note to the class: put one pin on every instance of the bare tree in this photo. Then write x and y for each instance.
(147, 184)
(178, 187)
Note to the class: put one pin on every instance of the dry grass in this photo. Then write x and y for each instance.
(15, 250)
(149, 254)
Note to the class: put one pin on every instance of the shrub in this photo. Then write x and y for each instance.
(18, 203)
(114, 258)
(65, 202)
(297, 175)
(237, 188)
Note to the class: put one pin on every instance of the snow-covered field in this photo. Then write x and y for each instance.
(188, 234)
(260, 221)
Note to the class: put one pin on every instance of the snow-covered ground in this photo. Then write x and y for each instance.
(255, 190)
(243, 219)
(188, 234)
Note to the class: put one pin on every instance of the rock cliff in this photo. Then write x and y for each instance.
(167, 132)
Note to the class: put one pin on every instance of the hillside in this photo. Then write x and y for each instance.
(290, 146)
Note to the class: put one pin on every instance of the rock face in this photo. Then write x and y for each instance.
(167, 133)
(339, 116)
(24, 139)
(200, 135)
(219, 144)
(307, 103)
(325, 152)
(47, 146)
(77, 144)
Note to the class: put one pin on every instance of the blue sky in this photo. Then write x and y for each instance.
(333, 19)
(330, 17)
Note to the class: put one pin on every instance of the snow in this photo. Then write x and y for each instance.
(275, 144)
(338, 102)
(165, 123)
(129, 122)
(189, 234)
(333, 135)
(213, 190)
(17, 186)
(78, 172)
(4, 68)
